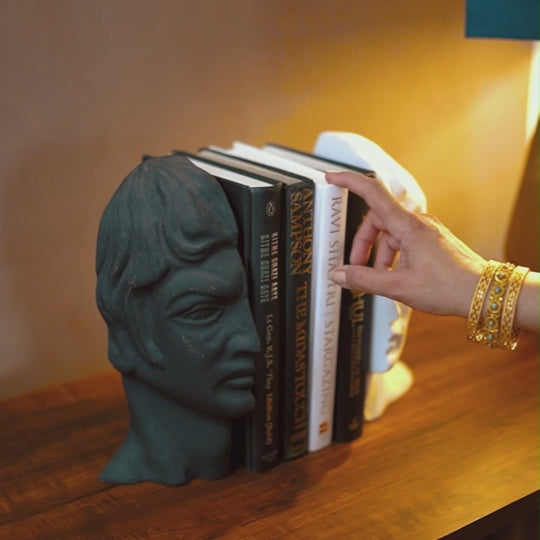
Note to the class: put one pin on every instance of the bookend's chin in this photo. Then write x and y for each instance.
(168, 442)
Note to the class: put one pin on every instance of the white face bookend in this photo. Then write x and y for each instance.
(388, 377)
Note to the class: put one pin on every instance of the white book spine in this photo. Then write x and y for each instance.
(327, 253)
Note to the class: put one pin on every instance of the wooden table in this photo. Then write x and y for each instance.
(456, 457)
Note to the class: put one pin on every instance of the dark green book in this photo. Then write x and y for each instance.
(355, 316)
(256, 206)
(297, 198)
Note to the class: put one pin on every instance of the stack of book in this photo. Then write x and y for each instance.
(294, 229)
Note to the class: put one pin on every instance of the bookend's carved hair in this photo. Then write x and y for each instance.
(166, 212)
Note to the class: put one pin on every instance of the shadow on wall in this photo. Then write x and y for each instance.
(50, 206)
(522, 239)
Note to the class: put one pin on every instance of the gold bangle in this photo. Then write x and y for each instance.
(478, 299)
(489, 333)
(508, 334)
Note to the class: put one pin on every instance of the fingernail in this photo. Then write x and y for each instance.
(330, 173)
(339, 277)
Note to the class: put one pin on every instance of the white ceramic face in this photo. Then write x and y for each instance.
(389, 331)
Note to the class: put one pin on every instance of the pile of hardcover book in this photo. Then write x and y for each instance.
(294, 229)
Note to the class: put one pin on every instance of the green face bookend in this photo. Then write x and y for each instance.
(172, 290)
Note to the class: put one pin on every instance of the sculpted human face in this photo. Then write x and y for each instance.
(389, 330)
(198, 322)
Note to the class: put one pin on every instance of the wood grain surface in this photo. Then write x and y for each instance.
(458, 455)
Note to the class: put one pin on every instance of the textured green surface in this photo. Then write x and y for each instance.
(172, 289)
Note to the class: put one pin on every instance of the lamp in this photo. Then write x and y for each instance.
(511, 19)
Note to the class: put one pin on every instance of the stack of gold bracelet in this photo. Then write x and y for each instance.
(504, 281)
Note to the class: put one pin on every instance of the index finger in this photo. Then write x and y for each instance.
(377, 197)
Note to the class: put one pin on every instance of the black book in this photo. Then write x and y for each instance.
(355, 316)
(354, 343)
(256, 206)
(297, 194)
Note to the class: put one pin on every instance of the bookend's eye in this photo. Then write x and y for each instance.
(206, 312)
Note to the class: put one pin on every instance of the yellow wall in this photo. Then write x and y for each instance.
(87, 87)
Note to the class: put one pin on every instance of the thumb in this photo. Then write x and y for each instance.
(365, 279)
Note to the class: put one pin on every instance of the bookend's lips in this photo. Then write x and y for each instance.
(242, 378)
(246, 381)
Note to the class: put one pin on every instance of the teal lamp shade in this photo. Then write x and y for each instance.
(511, 19)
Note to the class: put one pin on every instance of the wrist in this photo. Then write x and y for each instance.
(470, 281)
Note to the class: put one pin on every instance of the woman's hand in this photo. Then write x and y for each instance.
(434, 272)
